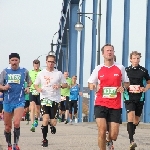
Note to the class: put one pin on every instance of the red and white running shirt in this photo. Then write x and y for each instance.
(109, 79)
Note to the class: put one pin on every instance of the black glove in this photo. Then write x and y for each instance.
(53, 129)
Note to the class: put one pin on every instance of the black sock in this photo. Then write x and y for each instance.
(63, 117)
(8, 137)
(44, 131)
(16, 135)
(130, 129)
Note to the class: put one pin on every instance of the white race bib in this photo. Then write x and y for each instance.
(134, 89)
(109, 92)
(14, 78)
(34, 92)
(46, 102)
(63, 98)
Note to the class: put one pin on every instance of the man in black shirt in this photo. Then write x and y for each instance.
(134, 96)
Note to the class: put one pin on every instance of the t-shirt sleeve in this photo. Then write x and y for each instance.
(124, 75)
(2, 77)
(94, 76)
(147, 77)
(38, 79)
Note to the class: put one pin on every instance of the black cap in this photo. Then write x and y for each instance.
(12, 55)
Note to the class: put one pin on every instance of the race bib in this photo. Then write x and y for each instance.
(34, 92)
(14, 78)
(63, 98)
(134, 89)
(109, 92)
(46, 102)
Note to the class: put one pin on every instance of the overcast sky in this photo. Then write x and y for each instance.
(27, 27)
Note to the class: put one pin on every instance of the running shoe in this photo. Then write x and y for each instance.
(35, 123)
(109, 145)
(45, 143)
(133, 145)
(16, 147)
(32, 128)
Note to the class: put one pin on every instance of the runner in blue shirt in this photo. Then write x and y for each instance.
(12, 81)
(73, 99)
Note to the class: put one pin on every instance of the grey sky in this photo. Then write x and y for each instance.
(27, 27)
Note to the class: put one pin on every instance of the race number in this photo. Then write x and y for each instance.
(34, 92)
(109, 92)
(134, 89)
(46, 102)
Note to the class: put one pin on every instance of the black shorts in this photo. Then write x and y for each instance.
(136, 106)
(64, 105)
(35, 98)
(73, 104)
(50, 110)
(110, 114)
(27, 103)
(1, 108)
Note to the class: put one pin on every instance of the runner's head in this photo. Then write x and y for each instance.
(135, 58)
(14, 60)
(36, 64)
(66, 74)
(115, 58)
(50, 61)
(74, 79)
(108, 52)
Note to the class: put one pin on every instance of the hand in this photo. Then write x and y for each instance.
(55, 86)
(120, 89)
(91, 86)
(27, 90)
(6, 87)
(144, 89)
(80, 93)
(39, 90)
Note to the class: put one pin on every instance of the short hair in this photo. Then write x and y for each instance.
(135, 53)
(50, 56)
(102, 49)
(36, 61)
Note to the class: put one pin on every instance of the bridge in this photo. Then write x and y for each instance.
(73, 17)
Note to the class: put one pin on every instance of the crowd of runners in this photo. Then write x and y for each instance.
(52, 96)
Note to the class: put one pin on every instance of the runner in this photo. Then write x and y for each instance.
(26, 107)
(64, 104)
(1, 106)
(34, 96)
(134, 96)
(12, 83)
(73, 99)
(110, 76)
(51, 80)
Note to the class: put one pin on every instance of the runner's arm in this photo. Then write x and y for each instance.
(92, 81)
(28, 79)
(37, 82)
(63, 82)
(125, 78)
(147, 78)
(2, 78)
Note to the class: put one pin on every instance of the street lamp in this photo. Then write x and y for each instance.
(79, 26)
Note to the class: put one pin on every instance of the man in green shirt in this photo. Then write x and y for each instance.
(65, 93)
(34, 96)
(27, 103)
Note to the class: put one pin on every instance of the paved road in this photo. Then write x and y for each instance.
(81, 136)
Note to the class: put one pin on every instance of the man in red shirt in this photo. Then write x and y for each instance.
(110, 76)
